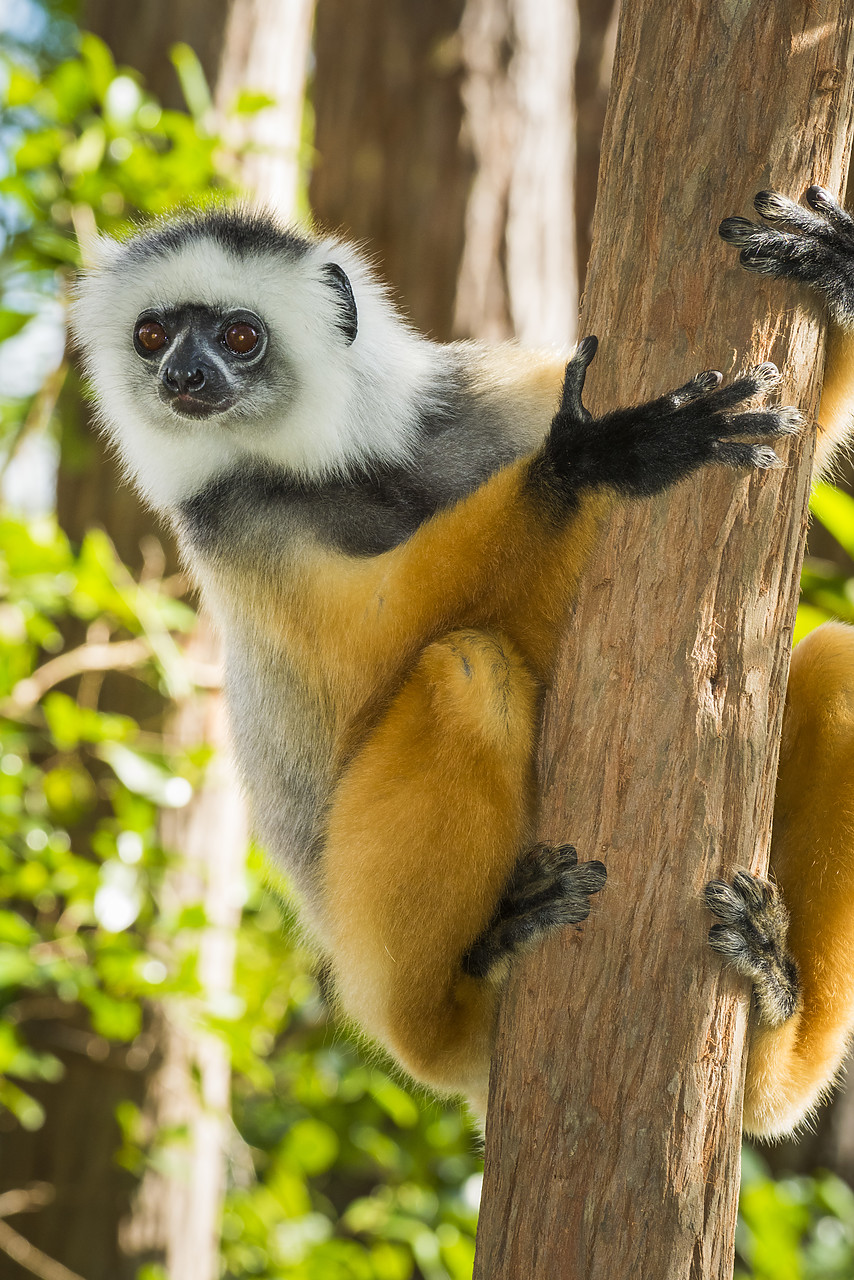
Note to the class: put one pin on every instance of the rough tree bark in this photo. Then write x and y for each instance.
(613, 1136)
(597, 32)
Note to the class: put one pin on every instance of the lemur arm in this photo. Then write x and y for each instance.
(510, 554)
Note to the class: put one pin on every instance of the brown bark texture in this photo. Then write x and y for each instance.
(597, 33)
(141, 35)
(613, 1131)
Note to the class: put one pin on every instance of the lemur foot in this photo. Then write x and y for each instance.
(816, 248)
(547, 890)
(752, 937)
(643, 450)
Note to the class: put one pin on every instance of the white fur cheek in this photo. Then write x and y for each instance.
(167, 462)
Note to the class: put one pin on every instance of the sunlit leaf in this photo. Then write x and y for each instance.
(835, 509)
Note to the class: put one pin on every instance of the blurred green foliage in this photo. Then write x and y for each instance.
(65, 925)
(798, 1228)
(337, 1170)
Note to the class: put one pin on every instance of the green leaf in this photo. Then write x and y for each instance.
(808, 618)
(86, 153)
(310, 1146)
(835, 510)
(29, 1113)
(99, 63)
(250, 101)
(16, 930)
(16, 967)
(114, 1019)
(69, 791)
(71, 724)
(12, 322)
(194, 86)
(21, 87)
(145, 777)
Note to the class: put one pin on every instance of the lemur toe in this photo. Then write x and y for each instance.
(752, 938)
(813, 245)
(549, 889)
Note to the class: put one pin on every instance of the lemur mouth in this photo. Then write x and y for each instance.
(189, 406)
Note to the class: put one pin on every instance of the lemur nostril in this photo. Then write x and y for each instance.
(184, 380)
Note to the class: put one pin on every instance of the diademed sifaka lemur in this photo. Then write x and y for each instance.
(389, 532)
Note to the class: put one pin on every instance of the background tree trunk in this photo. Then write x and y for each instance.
(445, 138)
(266, 50)
(597, 26)
(615, 1112)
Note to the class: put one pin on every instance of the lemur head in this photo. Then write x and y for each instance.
(221, 338)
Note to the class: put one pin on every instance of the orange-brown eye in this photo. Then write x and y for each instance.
(241, 338)
(151, 336)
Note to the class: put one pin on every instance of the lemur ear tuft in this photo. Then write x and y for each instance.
(348, 321)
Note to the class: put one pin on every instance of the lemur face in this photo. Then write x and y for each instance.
(201, 359)
(219, 340)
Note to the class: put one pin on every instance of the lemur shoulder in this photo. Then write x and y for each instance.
(389, 532)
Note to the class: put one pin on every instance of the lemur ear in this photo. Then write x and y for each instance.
(348, 321)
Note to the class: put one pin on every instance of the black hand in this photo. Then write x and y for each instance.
(643, 450)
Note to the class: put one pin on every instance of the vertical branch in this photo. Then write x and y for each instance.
(445, 137)
(190, 1094)
(615, 1113)
(266, 50)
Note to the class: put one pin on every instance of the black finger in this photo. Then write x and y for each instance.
(768, 422)
(823, 202)
(573, 382)
(776, 208)
(731, 454)
(700, 385)
(758, 380)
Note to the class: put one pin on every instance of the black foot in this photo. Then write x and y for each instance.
(816, 248)
(752, 938)
(547, 890)
(644, 450)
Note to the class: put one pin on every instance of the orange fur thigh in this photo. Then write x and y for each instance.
(426, 826)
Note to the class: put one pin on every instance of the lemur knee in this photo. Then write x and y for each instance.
(479, 684)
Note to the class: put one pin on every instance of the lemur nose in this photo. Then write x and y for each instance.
(184, 380)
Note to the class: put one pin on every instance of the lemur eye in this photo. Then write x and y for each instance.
(241, 338)
(151, 335)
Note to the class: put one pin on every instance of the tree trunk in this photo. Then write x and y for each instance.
(141, 36)
(266, 50)
(176, 1217)
(597, 27)
(444, 136)
(613, 1132)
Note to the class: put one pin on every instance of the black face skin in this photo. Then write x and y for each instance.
(202, 358)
